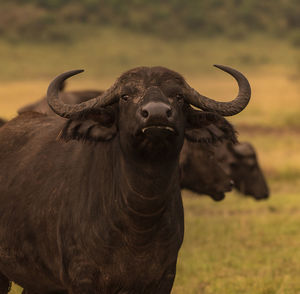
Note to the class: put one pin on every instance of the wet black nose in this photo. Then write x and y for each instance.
(156, 110)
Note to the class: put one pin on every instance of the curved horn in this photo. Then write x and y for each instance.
(68, 110)
(225, 108)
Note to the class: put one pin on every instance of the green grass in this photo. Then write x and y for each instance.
(15, 289)
(240, 245)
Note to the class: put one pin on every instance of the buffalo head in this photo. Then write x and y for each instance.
(148, 108)
(240, 162)
(201, 172)
(246, 172)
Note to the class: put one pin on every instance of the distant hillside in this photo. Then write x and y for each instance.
(43, 19)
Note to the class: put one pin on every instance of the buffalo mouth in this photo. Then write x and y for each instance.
(159, 128)
(158, 131)
(218, 196)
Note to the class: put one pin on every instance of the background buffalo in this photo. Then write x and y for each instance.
(241, 163)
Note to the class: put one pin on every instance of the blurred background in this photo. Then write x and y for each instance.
(238, 245)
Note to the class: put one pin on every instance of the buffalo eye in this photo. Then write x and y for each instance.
(233, 165)
(179, 96)
(125, 97)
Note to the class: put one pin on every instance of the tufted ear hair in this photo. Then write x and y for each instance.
(208, 127)
(92, 125)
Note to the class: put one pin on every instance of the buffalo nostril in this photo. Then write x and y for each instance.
(156, 109)
(145, 113)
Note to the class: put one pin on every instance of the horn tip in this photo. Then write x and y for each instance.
(73, 72)
(220, 66)
(77, 71)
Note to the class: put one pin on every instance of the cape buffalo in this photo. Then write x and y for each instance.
(105, 216)
(200, 171)
(240, 162)
(211, 170)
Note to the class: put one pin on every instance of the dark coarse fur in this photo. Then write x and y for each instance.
(71, 225)
(201, 172)
(213, 171)
(240, 163)
(105, 217)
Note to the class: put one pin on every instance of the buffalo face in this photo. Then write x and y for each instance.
(151, 113)
(201, 173)
(149, 109)
(246, 172)
(240, 162)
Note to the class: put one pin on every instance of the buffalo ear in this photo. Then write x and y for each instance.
(92, 125)
(208, 127)
(242, 149)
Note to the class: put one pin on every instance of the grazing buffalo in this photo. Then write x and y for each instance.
(93, 204)
(240, 162)
(201, 173)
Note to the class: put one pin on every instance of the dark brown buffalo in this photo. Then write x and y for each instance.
(201, 173)
(106, 216)
(2, 122)
(240, 162)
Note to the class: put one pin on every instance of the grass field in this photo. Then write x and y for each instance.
(238, 245)
(108, 52)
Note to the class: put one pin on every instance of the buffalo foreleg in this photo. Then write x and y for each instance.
(5, 284)
(166, 283)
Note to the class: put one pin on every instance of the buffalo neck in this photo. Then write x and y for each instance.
(148, 191)
(150, 179)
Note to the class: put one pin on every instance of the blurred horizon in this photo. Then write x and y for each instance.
(39, 39)
(43, 20)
